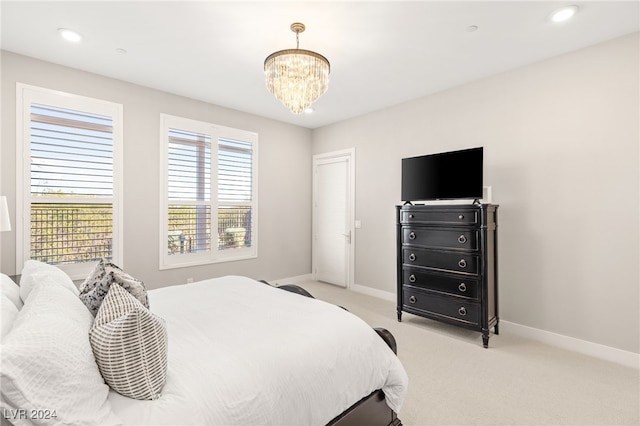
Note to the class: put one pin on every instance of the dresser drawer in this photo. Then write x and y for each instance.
(449, 216)
(442, 260)
(461, 286)
(441, 306)
(464, 239)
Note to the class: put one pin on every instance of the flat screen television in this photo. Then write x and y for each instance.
(444, 176)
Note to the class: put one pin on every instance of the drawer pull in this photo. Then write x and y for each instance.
(462, 263)
(412, 235)
(461, 217)
(412, 257)
(462, 287)
(412, 299)
(411, 216)
(412, 278)
(462, 311)
(462, 239)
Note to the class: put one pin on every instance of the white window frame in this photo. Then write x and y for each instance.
(216, 132)
(26, 95)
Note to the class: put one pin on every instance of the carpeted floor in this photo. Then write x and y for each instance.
(453, 380)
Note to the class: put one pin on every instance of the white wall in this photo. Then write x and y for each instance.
(561, 154)
(284, 179)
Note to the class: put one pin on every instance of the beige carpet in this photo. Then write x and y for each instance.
(453, 380)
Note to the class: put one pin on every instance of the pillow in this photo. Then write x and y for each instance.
(47, 362)
(94, 277)
(94, 289)
(9, 312)
(11, 290)
(130, 346)
(34, 270)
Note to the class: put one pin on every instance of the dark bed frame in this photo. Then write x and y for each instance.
(372, 410)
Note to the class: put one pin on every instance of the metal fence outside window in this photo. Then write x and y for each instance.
(71, 233)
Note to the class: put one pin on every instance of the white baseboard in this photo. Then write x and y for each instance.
(380, 294)
(292, 280)
(596, 350)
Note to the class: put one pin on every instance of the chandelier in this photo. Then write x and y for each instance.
(296, 77)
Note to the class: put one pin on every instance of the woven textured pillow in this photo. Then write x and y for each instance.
(94, 289)
(130, 346)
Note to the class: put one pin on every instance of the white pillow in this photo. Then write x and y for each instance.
(130, 345)
(9, 314)
(47, 362)
(33, 272)
(11, 290)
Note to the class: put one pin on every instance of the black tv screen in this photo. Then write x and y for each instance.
(443, 176)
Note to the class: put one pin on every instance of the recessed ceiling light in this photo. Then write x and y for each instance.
(308, 110)
(563, 14)
(471, 28)
(70, 35)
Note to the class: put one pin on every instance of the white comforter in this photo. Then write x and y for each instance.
(244, 353)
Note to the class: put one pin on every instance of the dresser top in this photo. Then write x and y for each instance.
(448, 207)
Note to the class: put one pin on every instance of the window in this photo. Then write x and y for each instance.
(68, 179)
(208, 193)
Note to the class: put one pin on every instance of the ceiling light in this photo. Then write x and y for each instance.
(564, 13)
(70, 35)
(297, 77)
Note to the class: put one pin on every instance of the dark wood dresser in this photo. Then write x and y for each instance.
(447, 264)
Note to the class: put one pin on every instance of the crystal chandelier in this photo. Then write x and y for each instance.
(296, 77)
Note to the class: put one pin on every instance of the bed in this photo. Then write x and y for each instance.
(240, 352)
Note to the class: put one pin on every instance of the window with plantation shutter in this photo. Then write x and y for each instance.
(208, 192)
(189, 192)
(71, 146)
(235, 193)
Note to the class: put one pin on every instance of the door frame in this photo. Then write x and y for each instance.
(349, 155)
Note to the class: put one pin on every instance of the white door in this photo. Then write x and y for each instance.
(333, 217)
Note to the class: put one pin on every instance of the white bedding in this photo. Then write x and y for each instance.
(244, 353)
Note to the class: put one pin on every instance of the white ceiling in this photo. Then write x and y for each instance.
(381, 53)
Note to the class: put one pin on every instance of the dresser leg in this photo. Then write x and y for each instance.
(485, 339)
(496, 329)
(399, 315)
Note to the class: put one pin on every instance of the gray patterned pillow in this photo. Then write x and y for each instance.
(130, 346)
(94, 289)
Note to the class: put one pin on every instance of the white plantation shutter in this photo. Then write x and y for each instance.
(71, 153)
(235, 193)
(71, 147)
(189, 192)
(234, 171)
(208, 193)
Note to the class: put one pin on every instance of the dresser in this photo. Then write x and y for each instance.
(447, 264)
